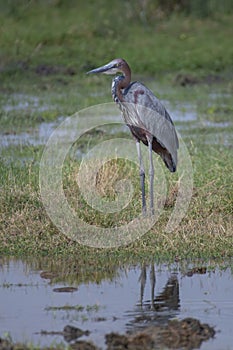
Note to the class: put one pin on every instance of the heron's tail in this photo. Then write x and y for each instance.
(169, 162)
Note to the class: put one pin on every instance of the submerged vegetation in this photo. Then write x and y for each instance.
(46, 48)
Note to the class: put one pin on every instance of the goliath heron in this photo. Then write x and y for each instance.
(146, 118)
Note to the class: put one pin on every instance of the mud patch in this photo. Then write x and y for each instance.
(188, 333)
(65, 290)
(69, 333)
(45, 70)
(185, 79)
(48, 275)
(83, 345)
(189, 80)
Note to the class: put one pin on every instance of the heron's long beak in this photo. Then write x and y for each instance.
(103, 69)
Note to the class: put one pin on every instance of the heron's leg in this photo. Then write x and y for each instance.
(151, 175)
(142, 177)
(142, 279)
(152, 281)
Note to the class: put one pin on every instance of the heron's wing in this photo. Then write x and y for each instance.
(147, 110)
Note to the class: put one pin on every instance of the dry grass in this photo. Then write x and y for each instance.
(110, 174)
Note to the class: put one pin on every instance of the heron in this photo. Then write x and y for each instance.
(147, 119)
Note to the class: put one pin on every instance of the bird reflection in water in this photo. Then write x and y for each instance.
(168, 299)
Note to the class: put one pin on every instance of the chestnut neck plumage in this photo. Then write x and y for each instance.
(121, 82)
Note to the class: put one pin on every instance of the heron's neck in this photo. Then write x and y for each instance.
(119, 83)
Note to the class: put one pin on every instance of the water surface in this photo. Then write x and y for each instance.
(131, 298)
(185, 115)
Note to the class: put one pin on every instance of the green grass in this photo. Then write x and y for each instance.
(64, 37)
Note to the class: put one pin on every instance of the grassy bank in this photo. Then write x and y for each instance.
(56, 37)
(46, 50)
(206, 230)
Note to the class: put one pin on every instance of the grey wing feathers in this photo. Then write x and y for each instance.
(153, 116)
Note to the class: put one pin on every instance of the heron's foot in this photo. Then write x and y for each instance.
(144, 212)
(148, 213)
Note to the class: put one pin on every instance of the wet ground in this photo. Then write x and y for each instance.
(186, 116)
(177, 306)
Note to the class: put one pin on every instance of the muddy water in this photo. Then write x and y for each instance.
(35, 306)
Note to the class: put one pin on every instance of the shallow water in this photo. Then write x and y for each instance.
(184, 114)
(40, 134)
(21, 102)
(37, 136)
(123, 301)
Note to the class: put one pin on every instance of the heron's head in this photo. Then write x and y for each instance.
(116, 66)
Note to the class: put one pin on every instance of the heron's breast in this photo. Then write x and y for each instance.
(139, 133)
